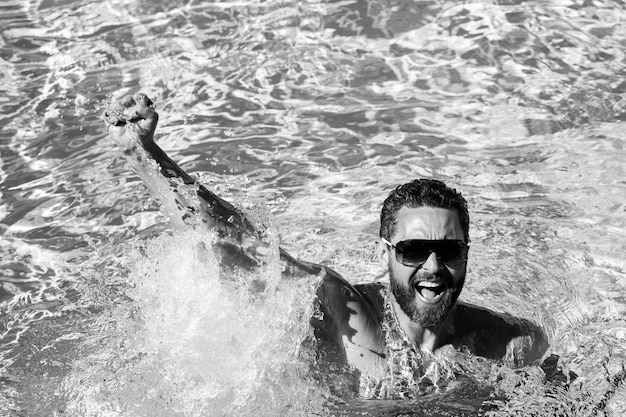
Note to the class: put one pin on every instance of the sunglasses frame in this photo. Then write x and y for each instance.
(463, 249)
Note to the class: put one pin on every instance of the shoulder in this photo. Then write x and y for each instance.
(356, 306)
(498, 335)
(355, 313)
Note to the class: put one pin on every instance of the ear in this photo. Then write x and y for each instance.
(382, 252)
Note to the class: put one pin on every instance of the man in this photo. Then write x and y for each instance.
(380, 330)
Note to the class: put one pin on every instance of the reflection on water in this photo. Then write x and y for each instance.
(317, 109)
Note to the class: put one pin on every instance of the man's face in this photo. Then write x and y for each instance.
(427, 292)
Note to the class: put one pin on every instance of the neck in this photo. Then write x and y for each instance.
(424, 338)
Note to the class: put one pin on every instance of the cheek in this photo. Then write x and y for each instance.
(401, 273)
(457, 273)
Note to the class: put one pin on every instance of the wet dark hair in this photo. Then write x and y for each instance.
(419, 193)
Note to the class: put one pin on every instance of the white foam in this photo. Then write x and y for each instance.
(186, 345)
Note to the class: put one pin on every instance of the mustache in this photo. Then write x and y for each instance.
(427, 276)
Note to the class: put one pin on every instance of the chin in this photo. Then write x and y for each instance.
(426, 312)
(432, 315)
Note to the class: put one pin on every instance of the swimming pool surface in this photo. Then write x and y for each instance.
(311, 112)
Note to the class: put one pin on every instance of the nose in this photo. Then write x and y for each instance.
(432, 264)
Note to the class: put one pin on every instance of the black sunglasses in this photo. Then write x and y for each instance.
(414, 252)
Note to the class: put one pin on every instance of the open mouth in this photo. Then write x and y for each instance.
(430, 292)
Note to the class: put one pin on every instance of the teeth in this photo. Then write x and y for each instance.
(428, 284)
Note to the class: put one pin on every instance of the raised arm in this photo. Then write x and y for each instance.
(131, 123)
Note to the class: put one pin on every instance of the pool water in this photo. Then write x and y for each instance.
(310, 112)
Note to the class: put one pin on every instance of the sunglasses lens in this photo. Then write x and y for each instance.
(416, 252)
(411, 252)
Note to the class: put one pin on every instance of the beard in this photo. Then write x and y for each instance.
(426, 315)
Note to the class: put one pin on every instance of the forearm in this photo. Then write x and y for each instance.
(164, 188)
(183, 198)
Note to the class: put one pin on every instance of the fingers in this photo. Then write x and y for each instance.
(137, 109)
(129, 108)
(143, 99)
(112, 115)
(145, 110)
(145, 114)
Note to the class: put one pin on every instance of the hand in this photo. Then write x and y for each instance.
(131, 121)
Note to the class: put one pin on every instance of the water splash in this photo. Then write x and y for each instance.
(183, 344)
